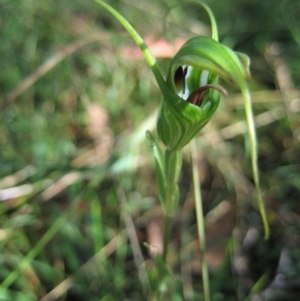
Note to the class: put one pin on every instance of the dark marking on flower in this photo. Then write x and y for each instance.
(179, 77)
(198, 95)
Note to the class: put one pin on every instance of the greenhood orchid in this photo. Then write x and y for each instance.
(191, 95)
(193, 92)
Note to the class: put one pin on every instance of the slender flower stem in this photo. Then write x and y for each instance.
(200, 222)
(166, 237)
(172, 171)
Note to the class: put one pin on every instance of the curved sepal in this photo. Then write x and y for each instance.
(193, 94)
(204, 53)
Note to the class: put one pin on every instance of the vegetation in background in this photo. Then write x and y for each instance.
(77, 188)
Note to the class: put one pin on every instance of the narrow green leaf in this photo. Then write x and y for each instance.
(160, 168)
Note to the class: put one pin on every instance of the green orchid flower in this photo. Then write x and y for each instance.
(191, 95)
(194, 94)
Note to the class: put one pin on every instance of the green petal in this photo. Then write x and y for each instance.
(205, 53)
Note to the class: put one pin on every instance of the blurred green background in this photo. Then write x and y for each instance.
(78, 191)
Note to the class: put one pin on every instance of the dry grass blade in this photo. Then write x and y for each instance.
(138, 256)
(15, 192)
(17, 177)
(65, 181)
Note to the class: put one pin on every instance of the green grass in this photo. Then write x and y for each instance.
(76, 139)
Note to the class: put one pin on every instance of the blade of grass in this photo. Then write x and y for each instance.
(200, 221)
(96, 222)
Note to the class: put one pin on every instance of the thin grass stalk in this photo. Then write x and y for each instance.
(200, 222)
(253, 147)
(132, 235)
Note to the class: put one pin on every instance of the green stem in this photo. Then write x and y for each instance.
(173, 161)
(253, 147)
(166, 238)
(214, 28)
(140, 42)
(200, 222)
